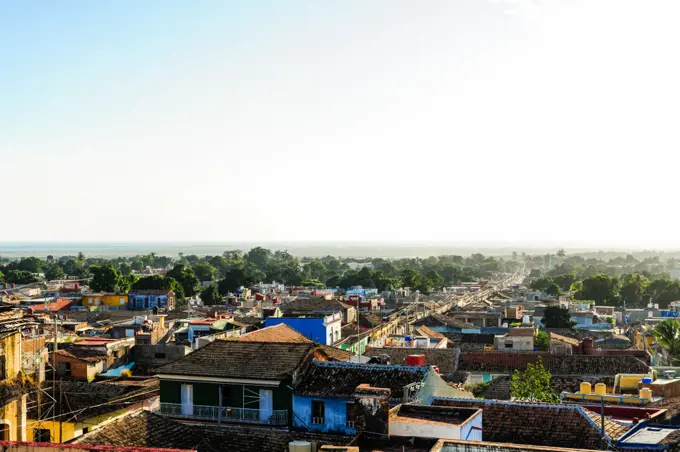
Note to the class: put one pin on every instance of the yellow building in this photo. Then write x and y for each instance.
(14, 384)
(106, 299)
(85, 407)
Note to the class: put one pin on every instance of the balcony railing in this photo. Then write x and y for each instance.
(228, 414)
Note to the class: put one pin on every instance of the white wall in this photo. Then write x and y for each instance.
(422, 430)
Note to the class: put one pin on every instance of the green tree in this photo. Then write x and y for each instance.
(125, 268)
(137, 265)
(561, 253)
(557, 317)
(565, 280)
(186, 278)
(233, 279)
(211, 296)
(435, 279)
(53, 272)
(204, 272)
(125, 282)
(20, 277)
(542, 284)
(533, 384)
(259, 257)
(553, 289)
(633, 286)
(667, 334)
(535, 273)
(104, 279)
(600, 288)
(30, 264)
(410, 278)
(542, 341)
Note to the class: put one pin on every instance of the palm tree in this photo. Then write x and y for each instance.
(667, 334)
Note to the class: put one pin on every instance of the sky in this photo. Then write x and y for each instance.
(460, 121)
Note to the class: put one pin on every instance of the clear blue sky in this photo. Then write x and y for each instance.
(214, 120)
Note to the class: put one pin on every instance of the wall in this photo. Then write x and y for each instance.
(115, 300)
(519, 343)
(421, 429)
(335, 415)
(58, 433)
(13, 414)
(10, 348)
(157, 355)
(311, 327)
(80, 370)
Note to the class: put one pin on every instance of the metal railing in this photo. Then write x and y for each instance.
(228, 414)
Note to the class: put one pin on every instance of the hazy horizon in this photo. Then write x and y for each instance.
(300, 249)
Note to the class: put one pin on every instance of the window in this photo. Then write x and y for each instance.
(227, 399)
(41, 435)
(159, 355)
(65, 369)
(318, 412)
(508, 345)
(86, 430)
(2, 367)
(352, 414)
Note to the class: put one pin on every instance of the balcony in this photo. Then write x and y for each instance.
(228, 414)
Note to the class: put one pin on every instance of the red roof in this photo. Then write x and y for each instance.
(58, 305)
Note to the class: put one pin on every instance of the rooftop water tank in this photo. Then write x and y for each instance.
(601, 389)
(585, 388)
(646, 393)
(299, 446)
(647, 380)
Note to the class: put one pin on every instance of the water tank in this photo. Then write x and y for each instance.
(585, 388)
(299, 446)
(647, 380)
(415, 360)
(601, 389)
(646, 393)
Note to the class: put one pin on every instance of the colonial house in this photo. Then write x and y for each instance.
(232, 381)
(144, 300)
(324, 396)
(88, 357)
(13, 386)
(324, 328)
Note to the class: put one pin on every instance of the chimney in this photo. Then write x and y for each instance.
(375, 410)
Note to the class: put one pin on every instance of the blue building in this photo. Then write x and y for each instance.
(321, 328)
(144, 300)
(324, 395)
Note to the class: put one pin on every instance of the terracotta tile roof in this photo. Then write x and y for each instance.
(565, 339)
(277, 333)
(146, 429)
(335, 379)
(235, 359)
(333, 353)
(83, 354)
(540, 424)
(613, 429)
(429, 332)
(444, 358)
(303, 305)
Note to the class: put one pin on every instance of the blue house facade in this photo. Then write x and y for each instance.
(145, 300)
(325, 414)
(324, 329)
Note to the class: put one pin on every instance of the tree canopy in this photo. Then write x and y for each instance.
(533, 384)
